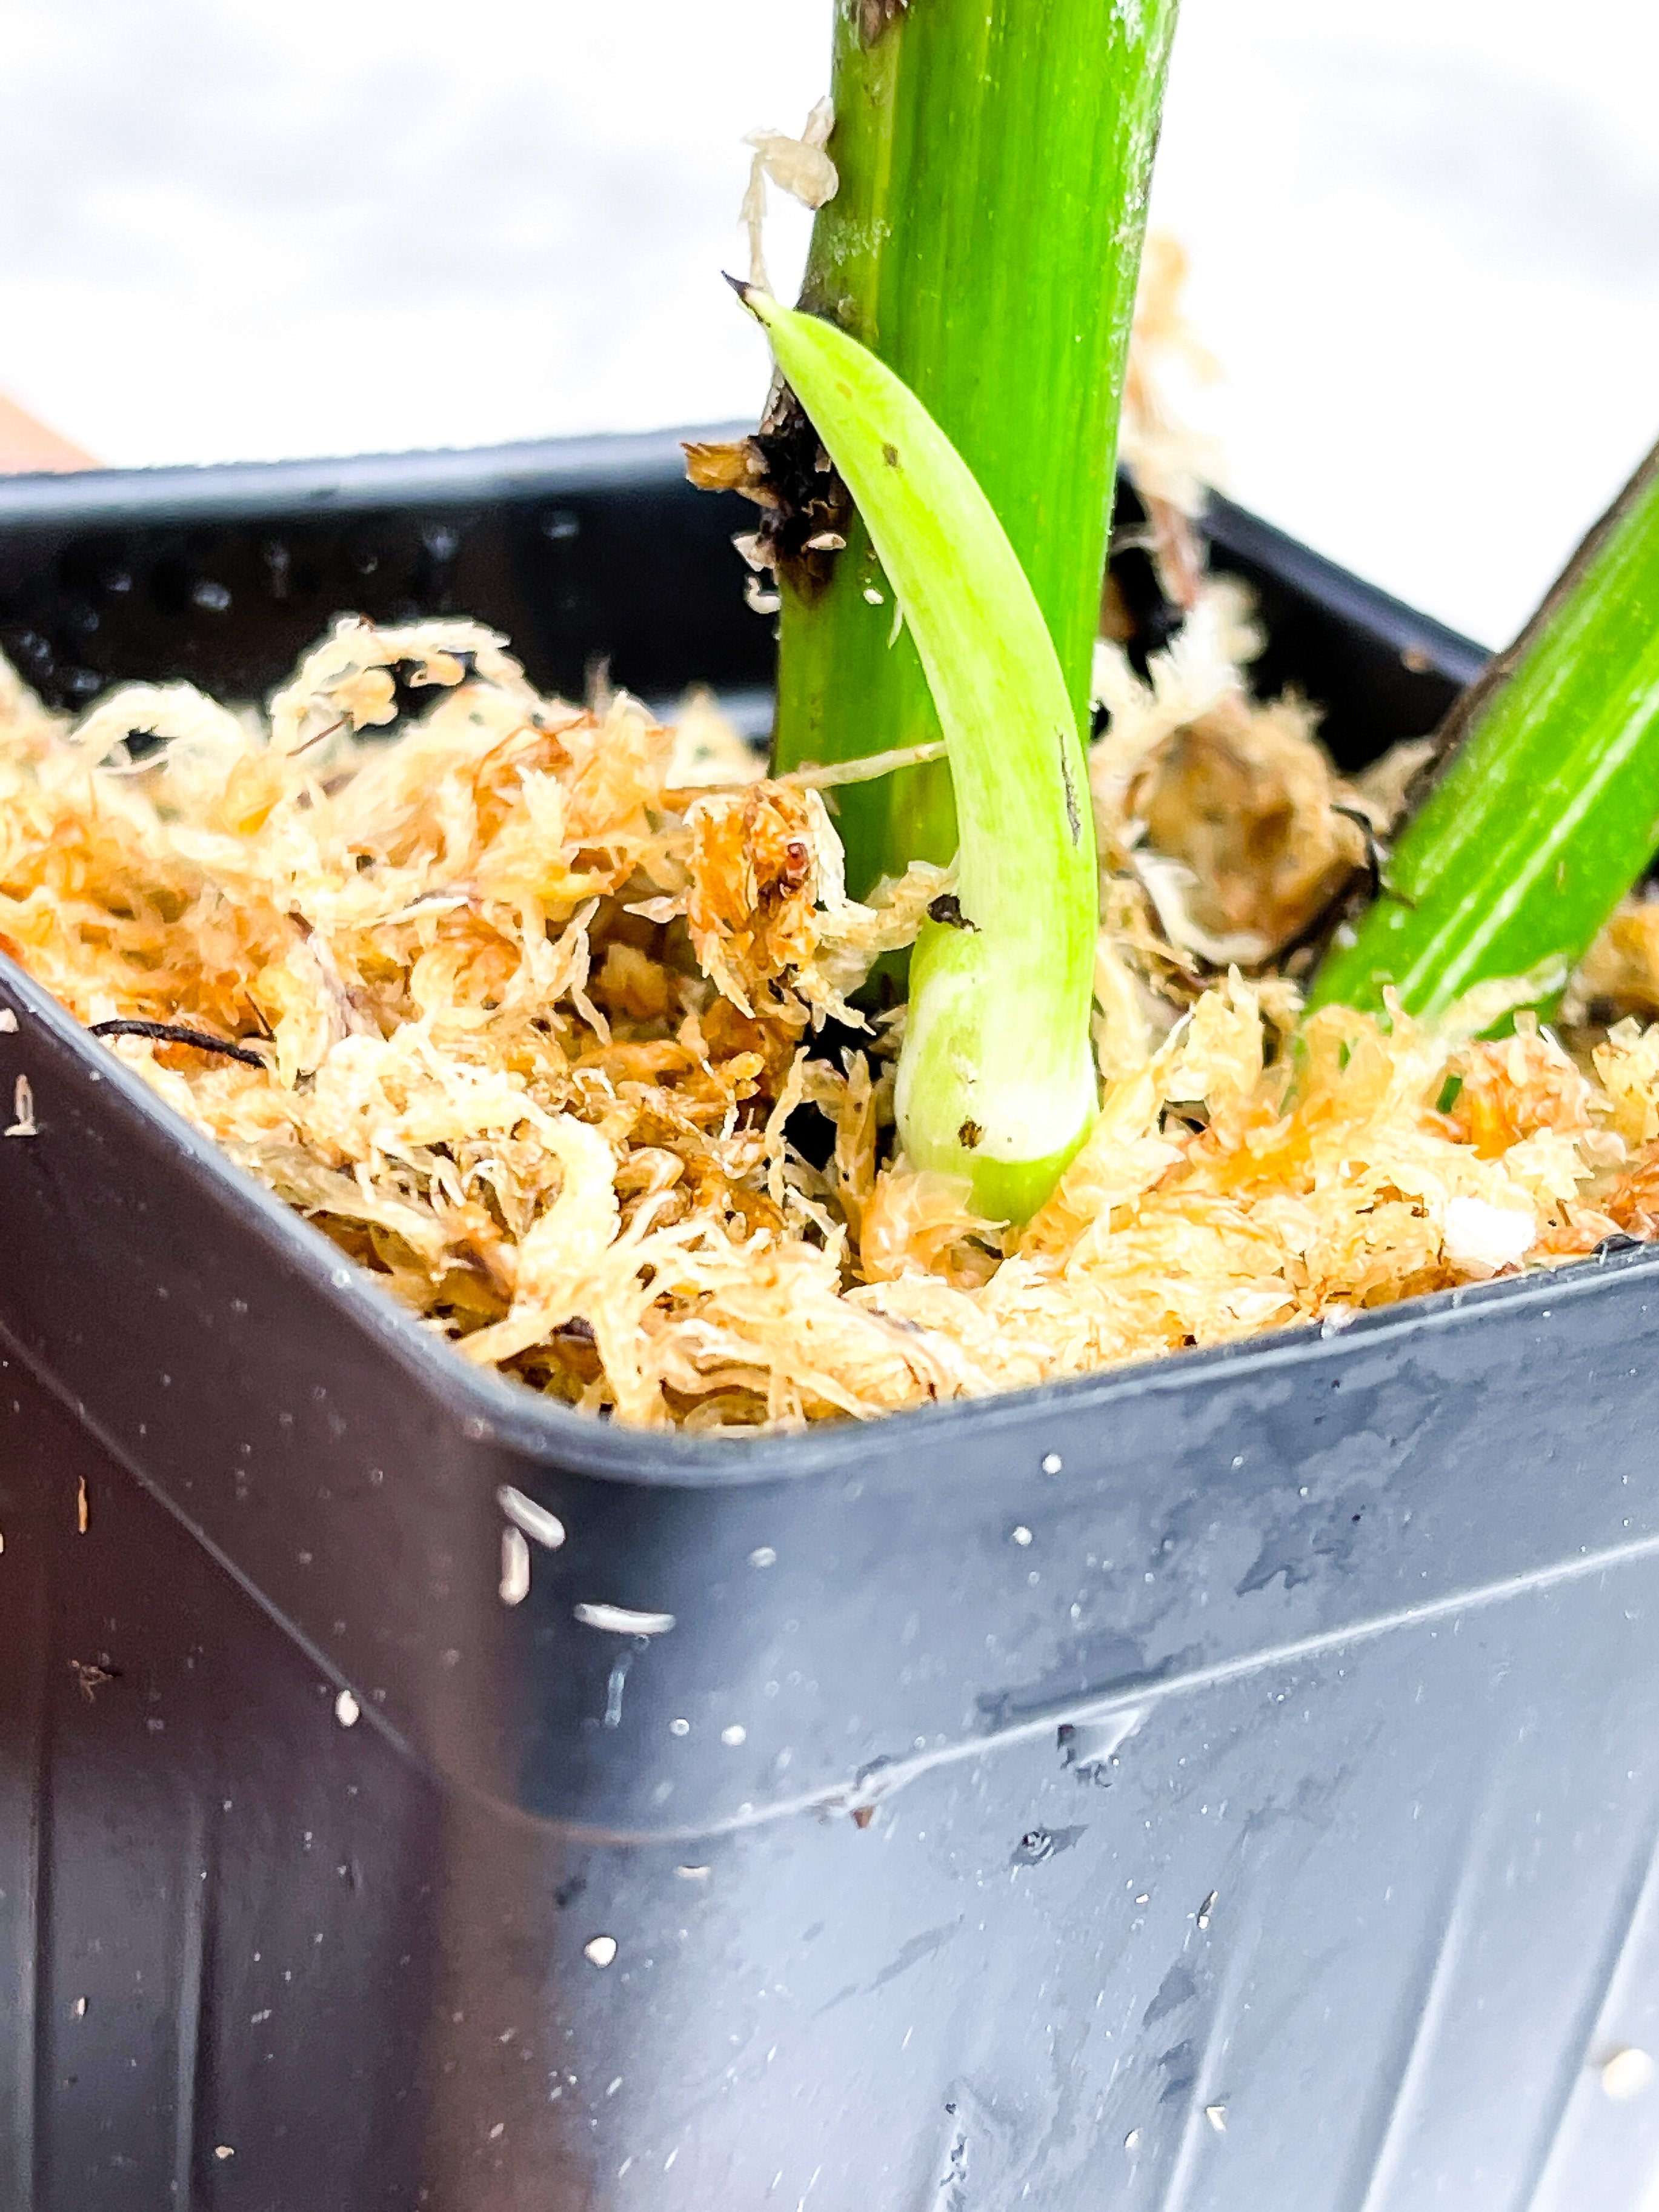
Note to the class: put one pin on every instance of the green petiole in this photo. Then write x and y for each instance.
(996, 1080)
(994, 158)
(1546, 808)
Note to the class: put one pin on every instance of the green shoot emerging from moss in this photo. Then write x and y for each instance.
(1547, 807)
(996, 1079)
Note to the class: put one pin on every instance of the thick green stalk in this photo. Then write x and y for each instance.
(985, 241)
(996, 1076)
(1546, 807)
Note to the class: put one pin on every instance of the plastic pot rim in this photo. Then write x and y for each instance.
(490, 1407)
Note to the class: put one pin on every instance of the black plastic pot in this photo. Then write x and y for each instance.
(1225, 1783)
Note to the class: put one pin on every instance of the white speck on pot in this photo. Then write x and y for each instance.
(1052, 1462)
(79, 2008)
(347, 1711)
(515, 1567)
(679, 1728)
(1207, 1908)
(1626, 2073)
(600, 1951)
(613, 2087)
(8, 1022)
(1132, 2141)
(23, 1107)
(732, 1736)
(762, 1556)
(623, 1621)
(224, 2150)
(1216, 2116)
(498, 2131)
(1021, 1535)
(692, 1873)
(537, 1523)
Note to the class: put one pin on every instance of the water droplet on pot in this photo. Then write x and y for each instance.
(679, 1728)
(1087, 1748)
(1216, 2116)
(1132, 2141)
(762, 1556)
(515, 1567)
(1022, 1535)
(213, 599)
(601, 1950)
(732, 1736)
(347, 1711)
(1052, 1462)
(623, 1620)
(537, 1523)
(1626, 2073)
(1207, 1908)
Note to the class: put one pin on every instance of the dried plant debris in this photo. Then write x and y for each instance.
(1227, 811)
(799, 166)
(1169, 463)
(530, 1003)
(805, 509)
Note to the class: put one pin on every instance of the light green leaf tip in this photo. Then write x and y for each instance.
(996, 1080)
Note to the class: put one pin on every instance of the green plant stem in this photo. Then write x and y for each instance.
(996, 1076)
(985, 242)
(1546, 808)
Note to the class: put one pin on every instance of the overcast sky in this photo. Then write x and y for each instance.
(1426, 242)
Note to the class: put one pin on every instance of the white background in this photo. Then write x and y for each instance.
(1424, 238)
